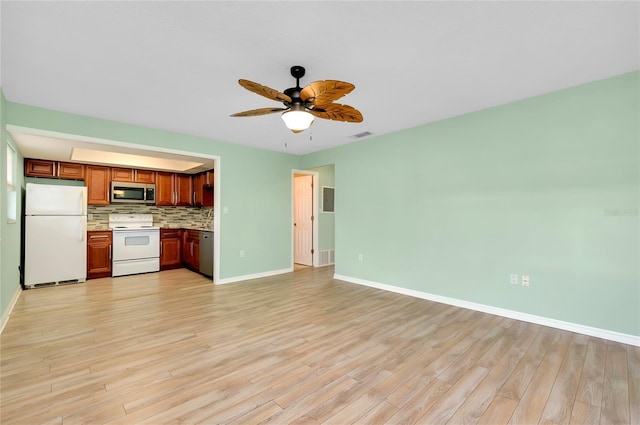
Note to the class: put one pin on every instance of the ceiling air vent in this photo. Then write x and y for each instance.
(361, 135)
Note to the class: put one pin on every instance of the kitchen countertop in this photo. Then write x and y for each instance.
(177, 226)
(98, 227)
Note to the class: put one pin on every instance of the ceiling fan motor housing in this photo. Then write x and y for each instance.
(297, 72)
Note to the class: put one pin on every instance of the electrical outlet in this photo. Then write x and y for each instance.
(242, 253)
(360, 257)
(525, 280)
(225, 210)
(514, 279)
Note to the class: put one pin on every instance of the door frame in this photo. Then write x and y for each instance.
(315, 176)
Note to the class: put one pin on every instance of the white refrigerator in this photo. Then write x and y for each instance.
(55, 250)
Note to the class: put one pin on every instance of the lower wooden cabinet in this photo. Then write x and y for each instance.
(170, 249)
(99, 244)
(191, 249)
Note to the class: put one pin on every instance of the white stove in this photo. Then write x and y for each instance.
(136, 244)
(131, 222)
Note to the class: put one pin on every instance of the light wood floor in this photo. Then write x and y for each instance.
(300, 348)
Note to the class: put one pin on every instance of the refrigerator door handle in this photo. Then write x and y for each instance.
(83, 230)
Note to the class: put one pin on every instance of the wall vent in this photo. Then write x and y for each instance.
(361, 135)
(326, 257)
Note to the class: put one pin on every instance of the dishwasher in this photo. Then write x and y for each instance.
(206, 253)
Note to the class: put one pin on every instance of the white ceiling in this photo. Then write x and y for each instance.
(175, 65)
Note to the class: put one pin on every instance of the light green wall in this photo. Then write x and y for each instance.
(255, 185)
(548, 187)
(9, 232)
(326, 221)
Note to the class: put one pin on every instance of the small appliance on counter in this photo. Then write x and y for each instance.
(136, 244)
(55, 240)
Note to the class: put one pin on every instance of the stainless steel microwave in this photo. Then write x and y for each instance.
(133, 193)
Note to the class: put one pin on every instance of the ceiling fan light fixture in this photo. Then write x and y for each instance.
(297, 119)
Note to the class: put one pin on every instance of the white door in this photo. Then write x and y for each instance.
(303, 219)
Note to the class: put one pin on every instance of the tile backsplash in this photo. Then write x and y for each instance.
(170, 217)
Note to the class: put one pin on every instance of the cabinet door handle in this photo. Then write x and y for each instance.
(109, 252)
(160, 247)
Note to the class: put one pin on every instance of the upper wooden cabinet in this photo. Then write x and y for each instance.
(122, 174)
(208, 177)
(173, 189)
(203, 189)
(39, 168)
(53, 169)
(133, 175)
(144, 176)
(98, 180)
(68, 170)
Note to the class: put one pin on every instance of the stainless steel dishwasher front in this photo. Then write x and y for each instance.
(206, 253)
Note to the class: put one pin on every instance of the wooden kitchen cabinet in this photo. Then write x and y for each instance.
(203, 189)
(39, 168)
(170, 249)
(98, 180)
(99, 253)
(53, 169)
(191, 249)
(173, 189)
(121, 174)
(132, 175)
(70, 170)
(144, 176)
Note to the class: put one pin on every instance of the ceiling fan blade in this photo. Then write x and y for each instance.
(256, 112)
(326, 91)
(337, 112)
(265, 91)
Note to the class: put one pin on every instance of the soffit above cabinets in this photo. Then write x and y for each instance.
(67, 150)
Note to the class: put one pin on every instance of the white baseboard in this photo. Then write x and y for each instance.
(253, 276)
(12, 303)
(525, 317)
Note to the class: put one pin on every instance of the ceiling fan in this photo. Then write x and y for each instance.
(303, 104)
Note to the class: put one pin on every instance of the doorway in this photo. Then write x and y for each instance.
(304, 212)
